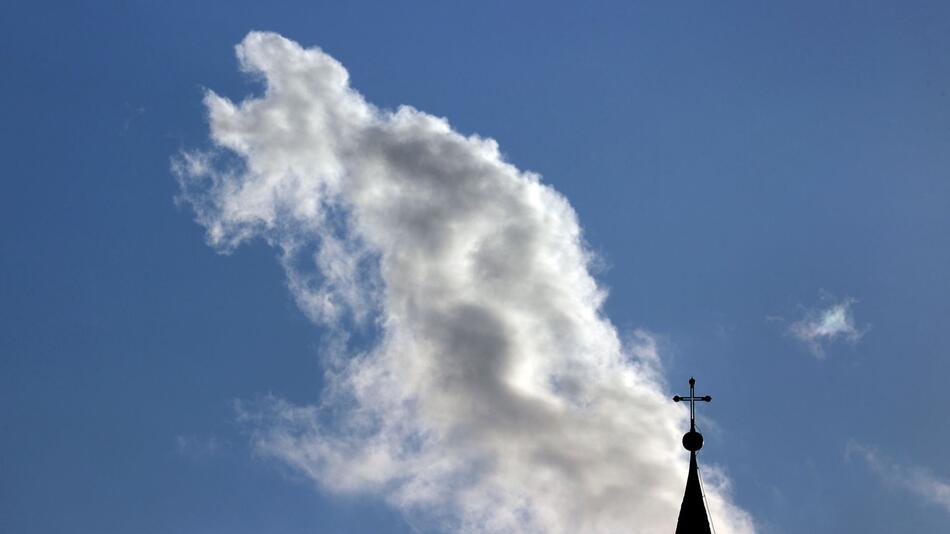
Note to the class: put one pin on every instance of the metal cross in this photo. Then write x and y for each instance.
(692, 403)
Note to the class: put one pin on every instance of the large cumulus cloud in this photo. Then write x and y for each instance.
(493, 395)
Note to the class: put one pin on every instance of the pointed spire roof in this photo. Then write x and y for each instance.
(693, 518)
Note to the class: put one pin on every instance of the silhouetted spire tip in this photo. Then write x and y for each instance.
(693, 518)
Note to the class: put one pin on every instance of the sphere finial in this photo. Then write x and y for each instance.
(692, 441)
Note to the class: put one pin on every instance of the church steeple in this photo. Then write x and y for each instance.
(693, 517)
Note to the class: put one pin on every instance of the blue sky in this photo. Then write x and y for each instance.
(739, 169)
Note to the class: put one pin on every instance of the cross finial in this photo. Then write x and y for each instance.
(689, 441)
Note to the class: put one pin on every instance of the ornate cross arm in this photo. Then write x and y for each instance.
(693, 438)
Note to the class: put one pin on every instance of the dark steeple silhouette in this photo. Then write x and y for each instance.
(693, 517)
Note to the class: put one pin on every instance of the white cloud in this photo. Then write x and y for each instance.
(495, 396)
(914, 479)
(824, 326)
